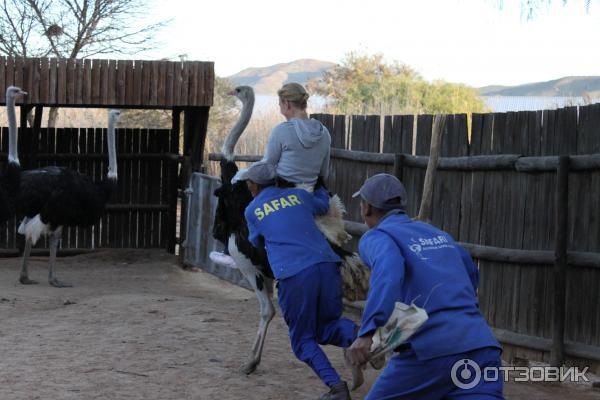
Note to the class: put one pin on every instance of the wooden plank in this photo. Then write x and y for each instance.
(339, 132)
(129, 83)
(143, 228)
(83, 235)
(79, 82)
(169, 83)
(44, 78)
(209, 85)
(52, 81)
(9, 73)
(135, 189)
(120, 84)
(111, 83)
(162, 83)
(185, 82)
(154, 79)
(560, 265)
(138, 78)
(34, 79)
(193, 83)
(18, 72)
(86, 84)
(177, 82)
(357, 126)
(71, 76)
(61, 82)
(164, 147)
(104, 86)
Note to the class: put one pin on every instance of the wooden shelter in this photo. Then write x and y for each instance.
(153, 166)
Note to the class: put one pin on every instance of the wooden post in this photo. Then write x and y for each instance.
(434, 154)
(560, 264)
(173, 185)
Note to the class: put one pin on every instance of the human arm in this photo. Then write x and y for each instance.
(386, 262)
(318, 201)
(254, 235)
(384, 258)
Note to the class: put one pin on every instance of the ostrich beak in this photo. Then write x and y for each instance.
(232, 93)
(22, 93)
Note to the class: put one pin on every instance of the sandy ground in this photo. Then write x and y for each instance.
(136, 326)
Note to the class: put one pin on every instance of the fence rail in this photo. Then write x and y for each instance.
(109, 83)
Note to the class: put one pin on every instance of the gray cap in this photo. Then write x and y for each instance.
(382, 190)
(261, 172)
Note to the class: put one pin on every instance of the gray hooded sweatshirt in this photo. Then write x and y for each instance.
(299, 150)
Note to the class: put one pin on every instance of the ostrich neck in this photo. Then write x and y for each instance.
(238, 128)
(13, 155)
(112, 150)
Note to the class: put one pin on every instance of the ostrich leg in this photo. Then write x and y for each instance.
(24, 277)
(263, 287)
(54, 242)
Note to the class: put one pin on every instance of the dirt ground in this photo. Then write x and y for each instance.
(136, 326)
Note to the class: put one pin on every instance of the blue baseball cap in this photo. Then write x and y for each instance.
(383, 191)
(260, 172)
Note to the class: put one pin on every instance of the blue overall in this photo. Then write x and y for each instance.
(412, 261)
(309, 282)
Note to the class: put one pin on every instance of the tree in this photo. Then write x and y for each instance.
(367, 84)
(74, 28)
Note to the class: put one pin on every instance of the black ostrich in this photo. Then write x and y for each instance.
(51, 198)
(230, 228)
(10, 179)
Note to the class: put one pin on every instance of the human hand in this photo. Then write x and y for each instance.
(360, 349)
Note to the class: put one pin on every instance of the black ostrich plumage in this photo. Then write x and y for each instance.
(229, 217)
(62, 197)
(9, 187)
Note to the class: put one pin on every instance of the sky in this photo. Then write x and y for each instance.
(469, 41)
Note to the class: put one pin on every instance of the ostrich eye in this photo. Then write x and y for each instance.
(237, 90)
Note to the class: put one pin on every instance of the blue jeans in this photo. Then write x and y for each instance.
(405, 377)
(311, 304)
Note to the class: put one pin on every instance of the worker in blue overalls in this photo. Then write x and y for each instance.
(306, 268)
(412, 261)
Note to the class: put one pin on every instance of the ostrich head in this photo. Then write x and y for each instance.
(244, 93)
(12, 92)
(114, 115)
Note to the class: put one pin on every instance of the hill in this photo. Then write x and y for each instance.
(267, 80)
(570, 86)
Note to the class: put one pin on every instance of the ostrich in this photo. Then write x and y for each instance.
(230, 228)
(54, 197)
(9, 181)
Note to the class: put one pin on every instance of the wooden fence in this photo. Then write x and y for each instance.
(496, 193)
(109, 83)
(142, 211)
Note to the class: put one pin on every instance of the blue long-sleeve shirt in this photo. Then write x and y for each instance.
(412, 261)
(283, 221)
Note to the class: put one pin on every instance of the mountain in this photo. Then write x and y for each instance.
(570, 86)
(267, 80)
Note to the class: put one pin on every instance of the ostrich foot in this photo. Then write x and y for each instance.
(56, 283)
(26, 281)
(249, 367)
